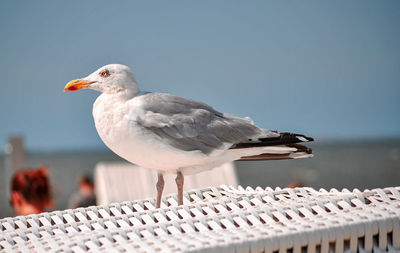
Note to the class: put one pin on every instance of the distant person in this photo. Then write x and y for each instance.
(31, 191)
(295, 185)
(85, 196)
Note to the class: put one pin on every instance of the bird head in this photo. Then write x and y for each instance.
(109, 79)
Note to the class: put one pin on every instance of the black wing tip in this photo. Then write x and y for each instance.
(300, 137)
(284, 138)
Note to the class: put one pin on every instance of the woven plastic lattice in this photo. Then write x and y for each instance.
(220, 219)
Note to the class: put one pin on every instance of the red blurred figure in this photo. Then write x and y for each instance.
(30, 191)
(295, 185)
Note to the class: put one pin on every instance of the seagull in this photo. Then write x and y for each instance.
(171, 134)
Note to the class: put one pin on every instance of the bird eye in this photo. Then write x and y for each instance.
(105, 73)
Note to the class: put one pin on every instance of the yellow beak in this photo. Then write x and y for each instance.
(77, 84)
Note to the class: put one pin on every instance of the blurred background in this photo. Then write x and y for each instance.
(330, 70)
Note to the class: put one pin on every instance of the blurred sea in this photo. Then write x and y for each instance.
(340, 164)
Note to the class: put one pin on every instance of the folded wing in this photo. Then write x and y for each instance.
(191, 125)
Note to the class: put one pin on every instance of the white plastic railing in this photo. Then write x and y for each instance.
(219, 219)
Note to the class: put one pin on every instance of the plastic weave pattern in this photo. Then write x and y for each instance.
(219, 219)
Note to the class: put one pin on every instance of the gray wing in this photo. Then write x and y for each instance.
(191, 125)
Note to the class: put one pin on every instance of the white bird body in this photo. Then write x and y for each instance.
(171, 134)
(115, 119)
(116, 124)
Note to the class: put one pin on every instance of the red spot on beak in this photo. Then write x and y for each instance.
(77, 84)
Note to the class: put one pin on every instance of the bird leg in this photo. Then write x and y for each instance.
(160, 187)
(179, 182)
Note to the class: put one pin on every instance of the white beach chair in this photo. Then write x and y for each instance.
(219, 219)
(120, 181)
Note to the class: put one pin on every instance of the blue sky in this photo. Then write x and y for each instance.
(329, 69)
